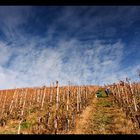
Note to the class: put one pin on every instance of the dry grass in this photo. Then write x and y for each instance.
(82, 121)
(103, 117)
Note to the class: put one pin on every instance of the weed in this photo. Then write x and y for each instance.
(105, 104)
(25, 125)
(107, 119)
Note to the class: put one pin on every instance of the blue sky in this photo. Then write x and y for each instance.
(81, 44)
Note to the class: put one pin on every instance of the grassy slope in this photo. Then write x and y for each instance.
(103, 117)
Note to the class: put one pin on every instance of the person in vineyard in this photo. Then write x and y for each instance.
(107, 91)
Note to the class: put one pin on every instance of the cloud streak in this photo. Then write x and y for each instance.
(64, 51)
(70, 61)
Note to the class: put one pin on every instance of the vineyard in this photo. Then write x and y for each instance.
(45, 110)
(127, 96)
(56, 109)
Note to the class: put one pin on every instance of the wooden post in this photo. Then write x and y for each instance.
(16, 99)
(19, 126)
(24, 102)
(67, 117)
(57, 95)
(68, 98)
(64, 96)
(1, 100)
(51, 90)
(3, 107)
(12, 100)
(86, 92)
(78, 99)
(21, 97)
(125, 91)
(34, 95)
(122, 94)
(55, 124)
(1, 93)
(38, 92)
(31, 93)
(41, 95)
(134, 100)
(118, 93)
(43, 98)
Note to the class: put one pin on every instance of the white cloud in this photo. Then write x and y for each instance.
(4, 50)
(97, 63)
(68, 61)
(34, 64)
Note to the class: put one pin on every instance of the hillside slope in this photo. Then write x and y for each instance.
(104, 117)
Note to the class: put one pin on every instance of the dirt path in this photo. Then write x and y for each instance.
(82, 123)
(103, 117)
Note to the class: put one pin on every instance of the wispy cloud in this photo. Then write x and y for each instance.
(81, 64)
(65, 50)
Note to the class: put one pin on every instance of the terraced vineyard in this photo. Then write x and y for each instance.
(49, 110)
(127, 96)
(71, 109)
